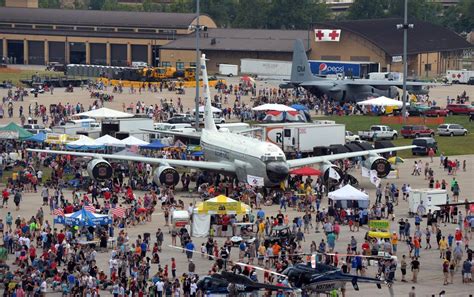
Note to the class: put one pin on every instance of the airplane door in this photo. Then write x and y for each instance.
(288, 139)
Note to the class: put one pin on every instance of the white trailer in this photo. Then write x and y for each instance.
(430, 197)
(228, 69)
(303, 137)
(459, 76)
(261, 67)
(128, 127)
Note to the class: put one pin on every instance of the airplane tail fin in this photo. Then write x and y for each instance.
(300, 70)
(209, 123)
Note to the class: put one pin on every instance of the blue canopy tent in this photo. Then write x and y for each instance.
(40, 137)
(83, 218)
(197, 154)
(299, 107)
(155, 145)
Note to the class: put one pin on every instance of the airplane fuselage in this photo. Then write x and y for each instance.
(250, 156)
(346, 93)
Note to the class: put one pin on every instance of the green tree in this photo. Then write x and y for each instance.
(182, 6)
(367, 9)
(251, 14)
(49, 3)
(426, 10)
(288, 14)
(222, 11)
(110, 5)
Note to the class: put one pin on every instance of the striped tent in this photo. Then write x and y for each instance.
(83, 218)
(221, 205)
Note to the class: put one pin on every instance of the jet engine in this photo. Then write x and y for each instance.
(326, 171)
(166, 175)
(379, 164)
(99, 169)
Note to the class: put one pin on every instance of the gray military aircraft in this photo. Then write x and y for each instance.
(344, 89)
(233, 154)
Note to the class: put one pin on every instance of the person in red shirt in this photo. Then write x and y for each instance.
(32, 252)
(173, 267)
(69, 209)
(366, 248)
(5, 195)
(61, 237)
(458, 236)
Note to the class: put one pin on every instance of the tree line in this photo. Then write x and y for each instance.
(290, 14)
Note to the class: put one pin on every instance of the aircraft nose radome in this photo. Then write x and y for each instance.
(277, 171)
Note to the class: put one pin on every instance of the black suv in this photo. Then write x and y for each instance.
(423, 145)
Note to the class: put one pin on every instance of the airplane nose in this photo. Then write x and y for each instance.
(277, 171)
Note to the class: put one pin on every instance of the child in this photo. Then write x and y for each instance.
(466, 242)
(203, 250)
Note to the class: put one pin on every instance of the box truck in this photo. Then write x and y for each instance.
(228, 69)
(303, 137)
(430, 197)
(259, 67)
(459, 76)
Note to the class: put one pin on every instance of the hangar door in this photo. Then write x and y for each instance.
(118, 54)
(57, 51)
(36, 52)
(98, 54)
(139, 53)
(15, 51)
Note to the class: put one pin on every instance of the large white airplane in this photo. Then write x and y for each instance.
(232, 154)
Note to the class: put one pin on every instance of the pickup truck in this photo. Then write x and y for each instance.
(378, 132)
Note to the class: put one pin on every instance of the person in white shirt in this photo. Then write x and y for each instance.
(159, 287)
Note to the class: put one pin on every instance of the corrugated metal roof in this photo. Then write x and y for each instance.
(242, 40)
(96, 17)
(424, 37)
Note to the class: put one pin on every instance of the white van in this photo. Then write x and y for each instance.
(139, 64)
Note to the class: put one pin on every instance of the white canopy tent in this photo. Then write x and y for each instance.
(273, 106)
(213, 109)
(108, 140)
(349, 193)
(105, 112)
(381, 101)
(84, 143)
(131, 140)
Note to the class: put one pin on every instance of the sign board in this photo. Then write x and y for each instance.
(397, 59)
(379, 224)
(221, 208)
(255, 181)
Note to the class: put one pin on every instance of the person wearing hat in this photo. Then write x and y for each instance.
(446, 271)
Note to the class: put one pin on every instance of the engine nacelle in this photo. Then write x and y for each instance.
(166, 175)
(379, 164)
(327, 178)
(99, 169)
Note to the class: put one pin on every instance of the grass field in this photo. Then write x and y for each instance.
(458, 145)
(15, 75)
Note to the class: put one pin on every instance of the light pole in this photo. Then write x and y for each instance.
(405, 26)
(198, 68)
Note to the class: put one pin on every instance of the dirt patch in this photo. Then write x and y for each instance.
(9, 70)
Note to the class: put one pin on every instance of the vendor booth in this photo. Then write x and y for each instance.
(179, 219)
(83, 218)
(349, 197)
(220, 205)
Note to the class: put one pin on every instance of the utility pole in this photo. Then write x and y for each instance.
(198, 67)
(405, 26)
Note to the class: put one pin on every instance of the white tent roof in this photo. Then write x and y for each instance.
(381, 101)
(272, 106)
(83, 141)
(348, 192)
(131, 140)
(213, 109)
(105, 112)
(108, 141)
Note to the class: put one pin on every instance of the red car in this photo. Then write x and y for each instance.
(459, 109)
(436, 111)
(416, 131)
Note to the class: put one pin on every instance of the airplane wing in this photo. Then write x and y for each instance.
(321, 159)
(383, 83)
(194, 135)
(205, 165)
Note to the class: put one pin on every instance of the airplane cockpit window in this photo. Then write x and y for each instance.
(272, 158)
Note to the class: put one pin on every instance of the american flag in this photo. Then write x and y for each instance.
(118, 212)
(58, 212)
(90, 208)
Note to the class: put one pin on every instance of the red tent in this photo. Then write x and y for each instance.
(305, 171)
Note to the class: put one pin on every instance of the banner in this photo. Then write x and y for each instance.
(9, 135)
(255, 181)
(379, 225)
(374, 179)
(393, 174)
(322, 35)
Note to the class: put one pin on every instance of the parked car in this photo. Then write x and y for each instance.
(416, 131)
(423, 145)
(471, 116)
(350, 137)
(436, 111)
(459, 108)
(451, 130)
(35, 128)
(180, 119)
(378, 132)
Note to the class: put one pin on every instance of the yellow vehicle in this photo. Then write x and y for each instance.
(189, 73)
(158, 73)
